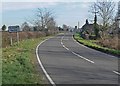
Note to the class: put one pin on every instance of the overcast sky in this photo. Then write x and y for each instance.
(68, 12)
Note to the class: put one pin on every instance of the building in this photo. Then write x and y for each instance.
(87, 30)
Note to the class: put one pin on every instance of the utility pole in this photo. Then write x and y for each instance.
(11, 39)
(17, 37)
(118, 14)
(78, 24)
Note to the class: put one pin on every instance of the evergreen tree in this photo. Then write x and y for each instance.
(96, 30)
(3, 28)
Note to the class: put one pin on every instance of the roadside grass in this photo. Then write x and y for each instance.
(94, 45)
(18, 63)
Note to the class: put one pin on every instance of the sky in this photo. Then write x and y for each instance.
(67, 12)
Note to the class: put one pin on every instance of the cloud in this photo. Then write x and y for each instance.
(25, 5)
(0, 7)
(52, 0)
(30, 0)
(76, 5)
(48, 0)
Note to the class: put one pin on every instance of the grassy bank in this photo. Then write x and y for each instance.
(94, 45)
(19, 63)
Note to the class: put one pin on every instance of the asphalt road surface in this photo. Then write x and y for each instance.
(68, 62)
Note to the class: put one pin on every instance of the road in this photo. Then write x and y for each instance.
(67, 62)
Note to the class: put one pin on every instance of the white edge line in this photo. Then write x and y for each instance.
(40, 63)
(116, 72)
(79, 55)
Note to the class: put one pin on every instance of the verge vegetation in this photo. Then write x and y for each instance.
(94, 44)
(19, 63)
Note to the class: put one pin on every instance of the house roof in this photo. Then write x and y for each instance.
(87, 27)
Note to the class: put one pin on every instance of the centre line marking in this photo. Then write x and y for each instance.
(83, 57)
(61, 43)
(65, 47)
(76, 53)
(116, 72)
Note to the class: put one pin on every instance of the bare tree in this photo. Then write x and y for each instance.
(25, 27)
(105, 10)
(65, 27)
(52, 23)
(45, 18)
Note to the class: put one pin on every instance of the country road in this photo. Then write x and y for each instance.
(67, 62)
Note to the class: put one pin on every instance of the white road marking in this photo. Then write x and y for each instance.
(65, 47)
(76, 53)
(116, 72)
(86, 58)
(40, 63)
(61, 43)
(79, 43)
(90, 48)
(83, 57)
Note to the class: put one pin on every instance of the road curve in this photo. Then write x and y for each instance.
(68, 62)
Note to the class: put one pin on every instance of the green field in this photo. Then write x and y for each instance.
(19, 63)
(94, 45)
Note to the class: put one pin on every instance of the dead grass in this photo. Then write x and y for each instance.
(112, 42)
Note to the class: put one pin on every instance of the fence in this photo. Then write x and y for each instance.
(22, 36)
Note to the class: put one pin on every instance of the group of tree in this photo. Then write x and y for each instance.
(25, 27)
(65, 27)
(105, 10)
(43, 21)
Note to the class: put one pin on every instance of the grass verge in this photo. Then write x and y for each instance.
(18, 63)
(92, 44)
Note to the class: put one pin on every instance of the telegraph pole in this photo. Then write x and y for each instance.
(78, 24)
(11, 39)
(118, 14)
(17, 37)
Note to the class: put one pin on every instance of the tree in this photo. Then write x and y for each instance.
(25, 27)
(65, 27)
(105, 11)
(96, 28)
(51, 24)
(3, 27)
(87, 21)
(45, 18)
